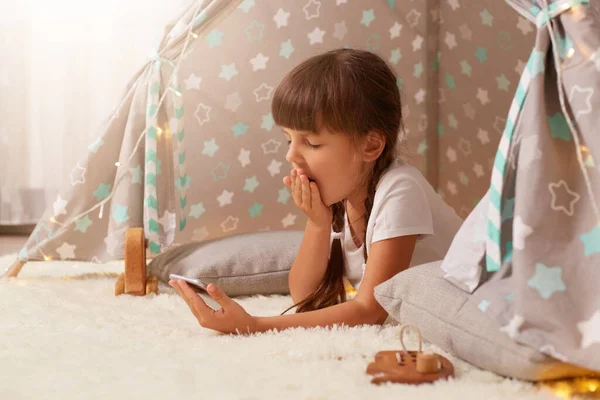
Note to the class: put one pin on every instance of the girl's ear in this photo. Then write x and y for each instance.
(373, 146)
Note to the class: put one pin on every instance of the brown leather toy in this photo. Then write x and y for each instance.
(410, 367)
(134, 280)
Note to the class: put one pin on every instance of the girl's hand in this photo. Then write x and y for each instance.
(307, 197)
(231, 318)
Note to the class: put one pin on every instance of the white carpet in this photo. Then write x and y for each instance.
(64, 335)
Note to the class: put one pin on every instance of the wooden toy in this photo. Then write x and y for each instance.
(134, 280)
(410, 367)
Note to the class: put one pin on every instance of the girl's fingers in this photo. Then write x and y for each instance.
(305, 191)
(287, 181)
(315, 195)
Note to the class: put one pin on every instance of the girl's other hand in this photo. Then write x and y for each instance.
(307, 197)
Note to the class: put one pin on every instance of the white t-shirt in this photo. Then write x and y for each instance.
(404, 204)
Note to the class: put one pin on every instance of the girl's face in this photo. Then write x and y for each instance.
(332, 160)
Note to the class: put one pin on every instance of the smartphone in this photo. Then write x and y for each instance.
(192, 281)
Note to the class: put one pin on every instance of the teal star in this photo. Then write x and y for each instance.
(219, 171)
(152, 108)
(373, 42)
(94, 147)
(102, 191)
(82, 224)
(239, 129)
(422, 147)
(503, 82)
(547, 280)
(465, 67)
(151, 156)
(286, 49)
(450, 81)
(537, 63)
(158, 164)
(251, 184)
(258, 34)
(255, 210)
(486, 18)
(151, 133)
(481, 54)
(267, 122)
(483, 306)
(228, 71)
(283, 195)
(399, 82)
(510, 297)
(120, 214)
(186, 178)
(591, 241)
(197, 210)
(508, 209)
(136, 174)
(368, 16)
(418, 70)
(396, 56)
(452, 121)
(559, 127)
(440, 130)
(391, 3)
(214, 38)
(565, 46)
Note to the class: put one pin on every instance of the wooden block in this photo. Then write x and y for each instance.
(120, 285)
(152, 285)
(135, 262)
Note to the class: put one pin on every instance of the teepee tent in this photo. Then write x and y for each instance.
(192, 153)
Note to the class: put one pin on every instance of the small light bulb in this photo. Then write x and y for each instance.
(53, 220)
(117, 163)
(571, 52)
(101, 211)
(194, 35)
(584, 149)
(159, 131)
(47, 258)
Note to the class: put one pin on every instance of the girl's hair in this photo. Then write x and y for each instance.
(344, 91)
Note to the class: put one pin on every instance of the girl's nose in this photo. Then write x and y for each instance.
(292, 156)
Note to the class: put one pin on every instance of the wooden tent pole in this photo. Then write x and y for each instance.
(14, 269)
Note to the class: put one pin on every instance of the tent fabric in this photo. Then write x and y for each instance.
(192, 153)
(540, 270)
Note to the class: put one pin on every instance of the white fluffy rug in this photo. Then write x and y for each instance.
(64, 335)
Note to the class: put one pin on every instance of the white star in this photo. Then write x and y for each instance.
(281, 18)
(210, 147)
(530, 151)
(450, 40)
(250, 184)
(417, 43)
(482, 95)
(228, 71)
(66, 251)
(289, 220)
(200, 234)
(478, 169)
(451, 154)
(420, 96)
(247, 5)
(265, 92)
(512, 328)
(78, 175)
(259, 62)
(192, 82)
(202, 114)
(483, 136)
(316, 36)
(274, 167)
(395, 30)
(590, 330)
(59, 206)
(233, 102)
(314, 13)
(573, 198)
(338, 2)
(113, 243)
(465, 32)
(589, 92)
(520, 232)
(551, 351)
(225, 198)
(469, 110)
(167, 221)
(454, 4)
(271, 146)
(340, 30)
(524, 26)
(230, 224)
(451, 187)
(244, 157)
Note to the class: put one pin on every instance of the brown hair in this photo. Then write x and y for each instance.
(344, 91)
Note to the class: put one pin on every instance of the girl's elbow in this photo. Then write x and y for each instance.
(373, 313)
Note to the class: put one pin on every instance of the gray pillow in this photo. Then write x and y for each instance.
(421, 296)
(255, 263)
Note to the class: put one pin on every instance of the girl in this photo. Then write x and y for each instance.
(370, 215)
